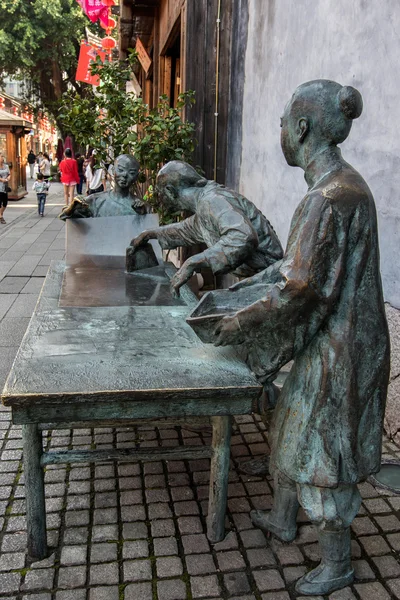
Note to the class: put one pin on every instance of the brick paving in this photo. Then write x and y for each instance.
(136, 531)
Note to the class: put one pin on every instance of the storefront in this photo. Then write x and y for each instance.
(13, 130)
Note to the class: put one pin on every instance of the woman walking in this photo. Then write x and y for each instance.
(45, 166)
(4, 179)
(69, 175)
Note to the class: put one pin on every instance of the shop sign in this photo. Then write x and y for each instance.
(143, 57)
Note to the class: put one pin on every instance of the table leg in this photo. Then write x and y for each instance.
(221, 443)
(34, 491)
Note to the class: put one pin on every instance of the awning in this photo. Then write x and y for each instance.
(11, 120)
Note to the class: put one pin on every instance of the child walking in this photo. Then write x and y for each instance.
(41, 187)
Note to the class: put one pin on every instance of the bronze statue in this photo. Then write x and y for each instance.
(239, 238)
(113, 203)
(323, 307)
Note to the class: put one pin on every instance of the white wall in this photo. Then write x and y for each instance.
(354, 42)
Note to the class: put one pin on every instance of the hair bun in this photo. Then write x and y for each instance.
(350, 102)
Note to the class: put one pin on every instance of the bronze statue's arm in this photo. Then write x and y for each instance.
(184, 233)
(310, 280)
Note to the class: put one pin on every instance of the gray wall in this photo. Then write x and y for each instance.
(354, 42)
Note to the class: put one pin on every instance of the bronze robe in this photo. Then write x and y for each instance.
(237, 234)
(323, 307)
(108, 204)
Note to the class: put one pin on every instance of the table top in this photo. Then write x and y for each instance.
(70, 353)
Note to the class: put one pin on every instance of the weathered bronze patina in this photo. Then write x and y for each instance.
(238, 236)
(321, 306)
(113, 203)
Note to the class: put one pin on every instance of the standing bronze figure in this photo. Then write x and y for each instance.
(239, 238)
(323, 307)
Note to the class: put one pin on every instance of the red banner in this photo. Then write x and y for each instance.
(87, 55)
(94, 9)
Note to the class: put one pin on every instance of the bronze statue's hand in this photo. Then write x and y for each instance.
(228, 332)
(182, 276)
(143, 238)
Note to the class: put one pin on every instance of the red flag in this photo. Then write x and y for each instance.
(94, 9)
(88, 54)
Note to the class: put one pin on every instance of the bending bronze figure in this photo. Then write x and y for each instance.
(323, 307)
(239, 238)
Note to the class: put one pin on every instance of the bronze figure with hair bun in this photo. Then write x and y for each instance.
(322, 307)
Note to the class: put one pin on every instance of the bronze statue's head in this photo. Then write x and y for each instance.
(126, 170)
(319, 113)
(173, 180)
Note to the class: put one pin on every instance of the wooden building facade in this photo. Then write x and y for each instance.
(193, 45)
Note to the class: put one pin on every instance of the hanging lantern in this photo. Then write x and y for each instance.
(108, 2)
(108, 43)
(2, 102)
(112, 23)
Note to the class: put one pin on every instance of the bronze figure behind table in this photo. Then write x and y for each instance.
(238, 236)
(323, 307)
(113, 203)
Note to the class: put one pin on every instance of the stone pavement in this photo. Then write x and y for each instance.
(126, 531)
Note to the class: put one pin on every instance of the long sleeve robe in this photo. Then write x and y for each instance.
(324, 308)
(237, 234)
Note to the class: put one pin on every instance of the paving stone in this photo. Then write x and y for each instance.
(170, 566)
(78, 535)
(292, 574)
(372, 591)
(136, 549)
(12, 285)
(362, 570)
(78, 594)
(200, 564)
(104, 533)
(15, 542)
(204, 587)
(387, 566)
(38, 579)
(173, 589)
(73, 555)
(394, 586)
(282, 596)
(389, 523)
(377, 505)
(134, 531)
(76, 518)
(237, 583)
(195, 544)
(230, 561)
(104, 593)
(137, 570)
(289, 555)
(12, 561)
(142, 591)
(103, 553)
(165, 546)
(267, 580)
(343, 594)
(363, 526)
(189, 525)
(374, 545)
(162, 528)
(33, 286)
(9, 582)
(394, 540)
(260, 557)
(71, 577)
(104, 574)
(254, 538)
(35, 597)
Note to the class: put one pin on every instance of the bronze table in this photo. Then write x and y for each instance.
(112, 365)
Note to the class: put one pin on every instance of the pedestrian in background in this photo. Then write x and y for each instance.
(80, 160)
(95, 177)
(39, 160)
(69, 175)
(45, 166)
(4, 179)
(31, 158)
(41, 187)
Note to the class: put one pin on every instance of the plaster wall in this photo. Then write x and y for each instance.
(355, 43)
